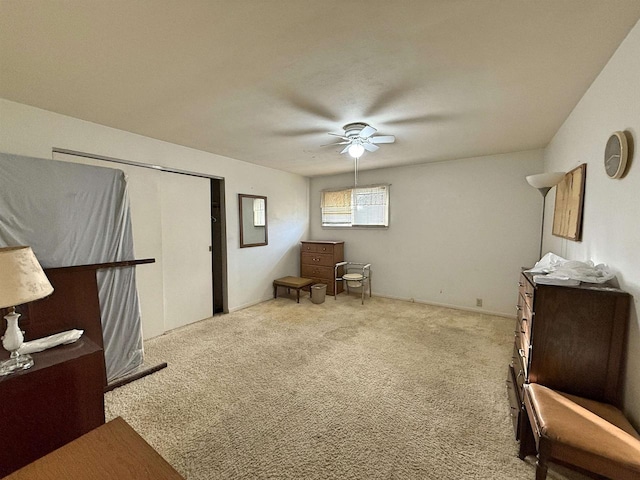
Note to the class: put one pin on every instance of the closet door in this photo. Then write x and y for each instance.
(186, 237)
(170, 216)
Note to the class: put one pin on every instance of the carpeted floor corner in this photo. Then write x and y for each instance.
(280, 390)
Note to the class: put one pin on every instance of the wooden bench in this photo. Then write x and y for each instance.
(594, 437)
(296, 283)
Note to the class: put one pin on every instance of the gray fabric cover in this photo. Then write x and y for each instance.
(72, 214)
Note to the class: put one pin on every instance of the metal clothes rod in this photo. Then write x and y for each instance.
(135, 164)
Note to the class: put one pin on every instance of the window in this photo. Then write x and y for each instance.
(356, 207)
(259, 217)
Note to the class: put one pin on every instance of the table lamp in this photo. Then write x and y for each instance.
(22, 280)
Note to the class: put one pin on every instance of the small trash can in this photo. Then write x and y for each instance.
(318, 292)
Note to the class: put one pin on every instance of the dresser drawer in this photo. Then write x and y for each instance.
(524, 321)
(309, 247)
(513, 394)
(526, 290)
(522, 365)
(322, 259)
(315, 271)
(317, 247)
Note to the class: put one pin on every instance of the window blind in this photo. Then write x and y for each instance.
(353, 207)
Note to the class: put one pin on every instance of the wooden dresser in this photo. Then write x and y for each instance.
(317, 262)
(569, 339)
(54, 402)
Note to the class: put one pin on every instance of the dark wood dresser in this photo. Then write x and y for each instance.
(318, 260)
(54, 402)
(569, 339)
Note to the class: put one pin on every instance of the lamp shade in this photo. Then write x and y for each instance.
(545, 180)
(22, 279)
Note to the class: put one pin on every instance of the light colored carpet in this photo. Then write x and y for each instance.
(388, 390)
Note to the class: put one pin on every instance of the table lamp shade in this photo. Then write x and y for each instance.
(22, 279)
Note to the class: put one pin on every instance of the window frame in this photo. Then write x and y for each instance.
(352, 190)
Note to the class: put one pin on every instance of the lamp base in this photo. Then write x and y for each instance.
(15, 364)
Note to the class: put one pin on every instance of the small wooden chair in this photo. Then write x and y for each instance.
(594, 437)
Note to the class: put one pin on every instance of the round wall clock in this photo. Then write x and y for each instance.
(615, 155)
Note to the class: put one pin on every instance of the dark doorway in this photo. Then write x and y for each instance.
(218, 246)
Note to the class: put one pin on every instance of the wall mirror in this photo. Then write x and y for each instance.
(253, 220)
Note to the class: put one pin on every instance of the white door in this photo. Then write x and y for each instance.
(186, 237)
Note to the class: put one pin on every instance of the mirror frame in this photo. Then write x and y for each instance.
(242, 196)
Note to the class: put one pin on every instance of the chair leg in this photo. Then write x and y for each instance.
(543, 455)
(541, 470)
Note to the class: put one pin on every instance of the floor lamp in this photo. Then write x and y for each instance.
(544, 182)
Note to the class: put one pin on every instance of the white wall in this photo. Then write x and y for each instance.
(611, 234)
(25, 130)
(459, 230)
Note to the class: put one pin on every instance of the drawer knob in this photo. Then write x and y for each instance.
(527, 294)
(520, 284)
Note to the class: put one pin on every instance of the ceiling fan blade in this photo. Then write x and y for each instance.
(427, 118)
(339, 135)
(308, 106)
(346, 149)
(331, 144)
(370, 147)
(383, 139)
(367, 131)
(297, 132)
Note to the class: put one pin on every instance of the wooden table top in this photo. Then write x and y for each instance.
(113, 451)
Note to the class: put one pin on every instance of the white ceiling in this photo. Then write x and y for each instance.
(264, 80)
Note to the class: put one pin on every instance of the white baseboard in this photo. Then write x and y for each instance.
(446, 305)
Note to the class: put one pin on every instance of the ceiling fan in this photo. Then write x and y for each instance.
(358, 137)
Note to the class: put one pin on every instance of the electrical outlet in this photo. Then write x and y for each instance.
(478, 302)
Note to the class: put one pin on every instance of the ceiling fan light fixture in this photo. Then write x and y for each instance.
(356, 150)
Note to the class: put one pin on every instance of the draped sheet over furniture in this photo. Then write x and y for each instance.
(74, 214)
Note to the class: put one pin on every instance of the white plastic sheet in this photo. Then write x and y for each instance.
(72, 214)
(555, 270)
